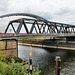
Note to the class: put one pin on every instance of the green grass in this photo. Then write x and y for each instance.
(15, 67)
(30, 39)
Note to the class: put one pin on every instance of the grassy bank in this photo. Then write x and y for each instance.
(15, 66)
(31, 39)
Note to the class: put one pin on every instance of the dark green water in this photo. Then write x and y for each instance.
(45, 58)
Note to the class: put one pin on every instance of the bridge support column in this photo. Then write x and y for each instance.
(9, 47)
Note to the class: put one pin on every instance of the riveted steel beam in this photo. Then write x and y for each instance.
(39, 24)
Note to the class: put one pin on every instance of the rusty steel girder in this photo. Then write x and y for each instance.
(38, 23)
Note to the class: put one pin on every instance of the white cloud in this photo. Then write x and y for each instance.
(4, 6)
(53, 10)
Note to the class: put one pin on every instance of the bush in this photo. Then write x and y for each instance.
(16, 59)
(16, 69)
(2, 57)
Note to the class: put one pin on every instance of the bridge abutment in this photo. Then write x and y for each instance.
(9, 47)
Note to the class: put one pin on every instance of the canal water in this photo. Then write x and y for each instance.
(45, 58)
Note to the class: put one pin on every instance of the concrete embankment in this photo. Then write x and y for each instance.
(46, 46)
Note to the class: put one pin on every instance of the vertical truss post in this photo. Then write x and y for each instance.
(65, 29)
(48, 30)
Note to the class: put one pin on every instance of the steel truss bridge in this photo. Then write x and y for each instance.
(36, 26)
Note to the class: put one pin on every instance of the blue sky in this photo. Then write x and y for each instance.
(54, 10)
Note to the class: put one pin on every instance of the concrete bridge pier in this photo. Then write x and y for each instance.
(9, 47)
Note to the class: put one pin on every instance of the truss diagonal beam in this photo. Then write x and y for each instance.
(13, 27)
(19, 27)
(40, 26)
(7, 28)
(26, 27)
(31, 30)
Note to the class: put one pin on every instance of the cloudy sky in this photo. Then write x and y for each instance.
(54, 10)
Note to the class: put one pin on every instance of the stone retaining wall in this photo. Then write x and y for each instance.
(9, 47)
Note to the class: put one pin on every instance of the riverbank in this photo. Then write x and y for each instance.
(46, 46)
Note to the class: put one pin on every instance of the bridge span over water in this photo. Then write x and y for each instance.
(36, 26)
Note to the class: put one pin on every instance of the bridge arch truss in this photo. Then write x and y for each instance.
(39, 24)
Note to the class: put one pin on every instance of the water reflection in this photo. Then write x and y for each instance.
(44, 57)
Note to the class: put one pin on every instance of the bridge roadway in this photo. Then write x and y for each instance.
(14, 36)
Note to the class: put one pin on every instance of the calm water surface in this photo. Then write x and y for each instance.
(45, 58)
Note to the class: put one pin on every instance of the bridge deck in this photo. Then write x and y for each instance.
(14, 36)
